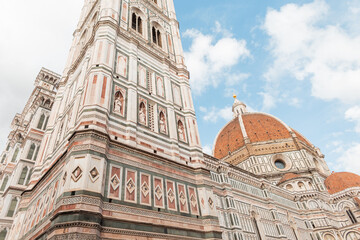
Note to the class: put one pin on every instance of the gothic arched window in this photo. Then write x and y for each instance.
(12, 207)
(133, 21)
(156, 36)
(136, 23)
(4, 183)
(31, 151)
(23, 176)
(15, 155)
(41, 121)
(3, 158)
(3, 234)
(28, 177)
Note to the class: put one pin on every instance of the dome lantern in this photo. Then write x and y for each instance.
(238, 108)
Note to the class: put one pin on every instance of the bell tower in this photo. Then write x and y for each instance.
(121, 155)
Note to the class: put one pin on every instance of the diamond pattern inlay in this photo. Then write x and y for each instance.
(130, 186)
(158, 192)
(115, 182)
(171, 195)
(145, 189)
(76, 174)
(211, 203)
(193, 200)
(94, 174)
(182, 198)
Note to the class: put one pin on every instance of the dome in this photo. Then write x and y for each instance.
(289, 176)
(257, 127)
(338, 182)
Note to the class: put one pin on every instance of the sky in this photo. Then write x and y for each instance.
(297, 60)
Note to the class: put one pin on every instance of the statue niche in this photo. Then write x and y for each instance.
(162, 121)
(181, 131)
(142, 113)
(119, 103)
(160, 86)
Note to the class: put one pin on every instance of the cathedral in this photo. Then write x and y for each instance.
(110, 150)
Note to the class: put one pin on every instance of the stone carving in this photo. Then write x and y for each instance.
(171, 195)
(94, 174)
(181, 131)
(76, 174)
(162, 122)
(193, 200)
(182, 198)
(158, 192)
(211, 203)
(142, 113)
(119, 103)
(130, 186)
(115, 182)
(145, 189)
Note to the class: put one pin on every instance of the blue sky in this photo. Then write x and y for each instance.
(300, 63)
(297, 60)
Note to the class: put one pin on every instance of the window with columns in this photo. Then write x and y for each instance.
(12, 207)
(137, 23)
(43, 121)
(3, 158)
(16, 153)
(156, 36)
(4, 183)
(23, 175)
(3, 234)
(33, 152)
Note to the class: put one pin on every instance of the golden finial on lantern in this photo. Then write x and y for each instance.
(234, 96)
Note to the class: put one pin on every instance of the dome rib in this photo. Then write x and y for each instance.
(258, 127)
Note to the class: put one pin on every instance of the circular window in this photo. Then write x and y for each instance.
(280, 164)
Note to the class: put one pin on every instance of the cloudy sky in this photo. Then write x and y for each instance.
(298, 60)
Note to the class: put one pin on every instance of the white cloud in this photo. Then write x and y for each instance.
(213, 114)
(353, 115)
(207, 149)
(35, 34)
(268, 100)
(349, 160)
(304, 48)
(210, 58)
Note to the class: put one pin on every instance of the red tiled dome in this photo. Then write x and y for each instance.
(338, 182)
(288, 176)
(229, 139)
(259, 127)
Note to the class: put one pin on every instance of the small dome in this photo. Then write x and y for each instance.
(338, 182)
(289, 176)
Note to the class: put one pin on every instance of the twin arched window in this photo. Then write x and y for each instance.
(136, 23)
(3, 158)
(43, 121)
(156, 36)
(23, 175)
(12, 207)
(15, 155)
(4, 183)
